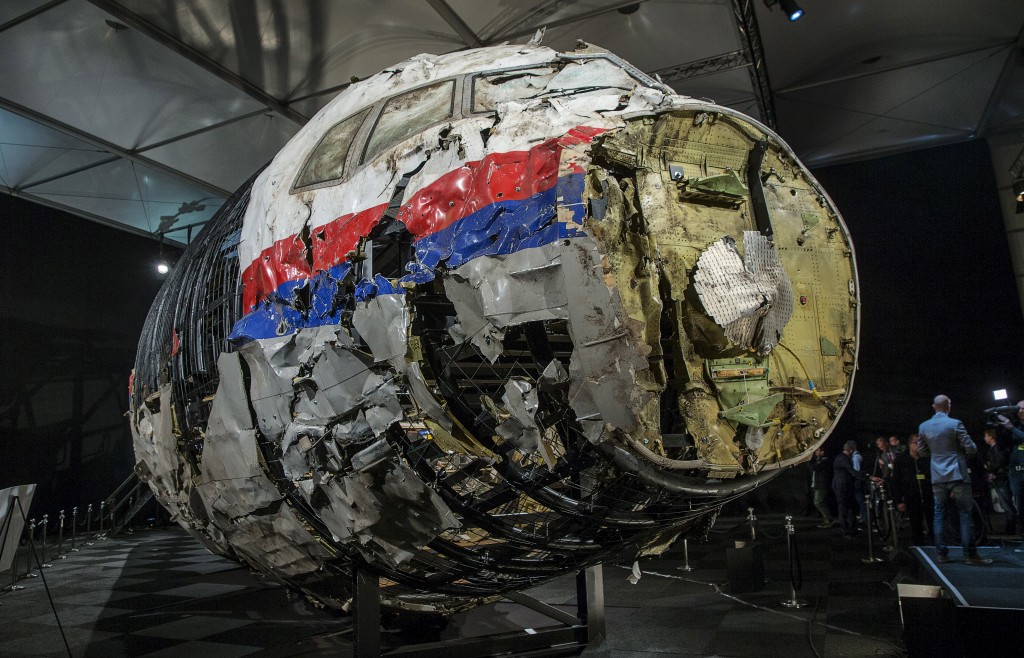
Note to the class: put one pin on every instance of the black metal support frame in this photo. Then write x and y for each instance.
(569, 637)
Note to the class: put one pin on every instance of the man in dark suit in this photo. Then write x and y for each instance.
(843, 477)
(948, 443)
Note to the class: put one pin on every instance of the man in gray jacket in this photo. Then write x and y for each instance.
(948, 443)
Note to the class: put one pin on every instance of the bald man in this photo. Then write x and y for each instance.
(949, 444)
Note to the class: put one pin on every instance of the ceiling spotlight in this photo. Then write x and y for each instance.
(793, 11)
(163, 268)
(629, 9)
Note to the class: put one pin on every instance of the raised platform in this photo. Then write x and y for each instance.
(980, 611)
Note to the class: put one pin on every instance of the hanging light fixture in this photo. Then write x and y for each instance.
(793, 11)
(162, 265)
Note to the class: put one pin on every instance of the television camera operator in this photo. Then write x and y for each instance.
(1015, 465)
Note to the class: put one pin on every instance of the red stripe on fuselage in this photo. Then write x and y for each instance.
(510, 176)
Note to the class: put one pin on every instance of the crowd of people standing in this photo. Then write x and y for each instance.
(936, 472)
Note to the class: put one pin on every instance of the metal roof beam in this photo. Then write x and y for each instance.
(106, 221)
(134, 156)
(198, 131)
(1013, 59)
(141, 149)
(77, 170)
(465, 32)
(750, 37)
(200, 59)
(28, 15)
(697, 68)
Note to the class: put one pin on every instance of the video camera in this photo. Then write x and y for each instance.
(1007, 411)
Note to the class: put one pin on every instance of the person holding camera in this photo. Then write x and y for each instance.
(1015, 465)
(948, 443)
(998, 481)
(906, 493)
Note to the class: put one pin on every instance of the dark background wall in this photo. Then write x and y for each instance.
(940, 315)
(73, 297)
(940, 309)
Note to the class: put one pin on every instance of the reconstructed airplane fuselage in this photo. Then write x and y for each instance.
(490, 317)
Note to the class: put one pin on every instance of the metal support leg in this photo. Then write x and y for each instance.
(14, 586)
(28, 554)
(590, 605)
(686, 557)
(365, 612)
(753, 523)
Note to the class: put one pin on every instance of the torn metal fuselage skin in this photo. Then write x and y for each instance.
(491, 317)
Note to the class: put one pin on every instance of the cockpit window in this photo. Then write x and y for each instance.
(327, 161)
(493, 88)
(410, 113)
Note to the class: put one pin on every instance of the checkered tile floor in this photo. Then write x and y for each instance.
(152, 593)
(159, 593)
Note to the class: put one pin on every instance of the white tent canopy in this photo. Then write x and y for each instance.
(133, 112)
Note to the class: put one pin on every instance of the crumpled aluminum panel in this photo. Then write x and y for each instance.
(751, 296)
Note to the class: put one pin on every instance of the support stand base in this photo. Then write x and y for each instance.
(794, 603)
(573, 634)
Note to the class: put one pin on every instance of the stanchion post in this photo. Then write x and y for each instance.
(74, 528)
(45, 565)
(60, 538)
(870, 559)
(88, 524)
(792, 601)
(103, 506)
(753, 523)
(894, 540)
(686, 557)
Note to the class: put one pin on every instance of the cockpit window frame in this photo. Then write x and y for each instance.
(454, 113)
(346, 169)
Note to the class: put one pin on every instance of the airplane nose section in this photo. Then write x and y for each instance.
(739, 272)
